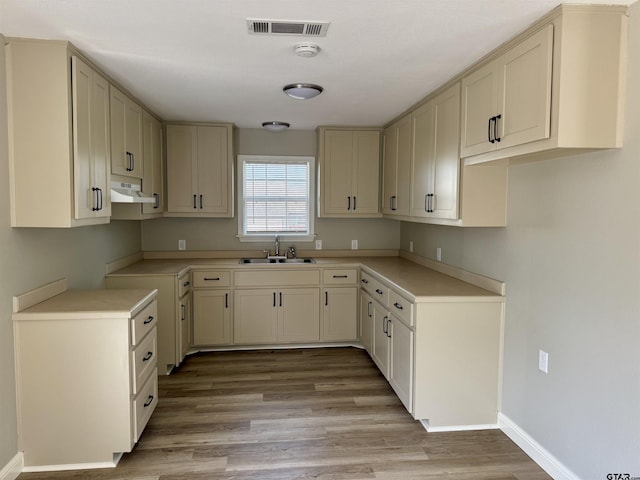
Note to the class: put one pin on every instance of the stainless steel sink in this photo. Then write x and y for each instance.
(275, 260)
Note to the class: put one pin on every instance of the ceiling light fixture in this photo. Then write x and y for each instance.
(302, 91)
(275, 126)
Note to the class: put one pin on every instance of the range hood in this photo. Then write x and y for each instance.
(128, 193)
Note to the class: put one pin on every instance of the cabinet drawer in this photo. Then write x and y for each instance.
(366, 282)
(184, 285)
(347, 276)
(378, 290)
(270, 278)
(143, 322)
(143, 360)
(211, 278)
(144, 404)
(401, 308)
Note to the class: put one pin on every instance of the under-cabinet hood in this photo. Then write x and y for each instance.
(128, 193)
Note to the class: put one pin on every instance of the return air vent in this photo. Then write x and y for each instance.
(287, 27)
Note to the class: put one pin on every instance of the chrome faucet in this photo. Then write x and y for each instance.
(276, 252)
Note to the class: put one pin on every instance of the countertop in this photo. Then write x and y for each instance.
(83, 304)
(417, 282)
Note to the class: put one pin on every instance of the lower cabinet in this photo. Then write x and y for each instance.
(186, 316)
(401, 366)
(86, 376)
(212, 317)
(340, 314)
(381, 350)
(276, 315)
(366, 321)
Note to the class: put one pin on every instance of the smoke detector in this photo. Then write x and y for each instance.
(306, 50)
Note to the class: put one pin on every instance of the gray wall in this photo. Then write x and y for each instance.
(571, 260)
(220, 234)
(33, 257)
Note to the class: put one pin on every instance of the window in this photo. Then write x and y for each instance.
(275, 197)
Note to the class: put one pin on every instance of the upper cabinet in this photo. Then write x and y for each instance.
(396, 168)
(538, 94)
(200, 170)
(126, 136)
(435, 160)
(349, 170)
(58, 109)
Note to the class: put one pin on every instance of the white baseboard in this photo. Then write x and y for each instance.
(75, 466)
(537, 452)
(12, 469)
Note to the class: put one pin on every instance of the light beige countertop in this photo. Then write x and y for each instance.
(84, 304)
(417, 282)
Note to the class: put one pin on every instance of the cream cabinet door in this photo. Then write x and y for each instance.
(397, 167)
(366, 321)
(479, 106)
(212, 317)
(401, 365)
(524, 86)
(126, 135)
(91, 141)
(255, 318)
(381, 345)
(422, 158)
(366, 165)
(337, 171)
(213, 181)
(340, 314)
(181, 168)
(152, 181)
(298, 314)
(186, 318)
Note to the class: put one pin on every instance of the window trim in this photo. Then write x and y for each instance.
(264, 237)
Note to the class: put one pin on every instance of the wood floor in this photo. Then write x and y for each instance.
(299, 414)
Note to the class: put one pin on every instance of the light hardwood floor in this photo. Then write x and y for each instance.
(322, 413)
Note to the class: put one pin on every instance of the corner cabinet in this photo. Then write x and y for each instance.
(349, 169)
(537, 94)
(200, 170)
(85, 368)
(126, 135)
(59, 150)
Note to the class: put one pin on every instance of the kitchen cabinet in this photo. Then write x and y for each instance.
(366, 321)
(153, 174)
(401, 360)
(340, 304)
(86, 376)
(276, 315)
(349, 169)
(60, 99)
(171, 289)
(200, 170)
(212, 316)
(381, 351)
(126, 135)
(185, 309)
(535, 98)
(508, 101)
(396, 177)
(435, 158)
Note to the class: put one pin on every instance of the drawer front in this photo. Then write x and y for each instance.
(378, 290)
(184, 284)
(345, 276)
(144, 404)
(277, 278)
(367, 282)
(143, 322)
(401, 308)
(143, 360)
(211, 278)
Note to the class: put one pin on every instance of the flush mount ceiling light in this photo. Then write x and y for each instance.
(302, 91)
(306, 50)
(275, 126)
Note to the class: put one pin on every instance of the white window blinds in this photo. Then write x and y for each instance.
(276, 196)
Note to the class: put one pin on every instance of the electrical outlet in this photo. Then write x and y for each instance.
(411, 246)
(354, 244)
(543, 361)
(182, 244)
(439, 254)
(318, 244)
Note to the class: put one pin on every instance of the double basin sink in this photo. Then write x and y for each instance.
(275, 260)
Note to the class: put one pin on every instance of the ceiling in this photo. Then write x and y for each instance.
(194, 60)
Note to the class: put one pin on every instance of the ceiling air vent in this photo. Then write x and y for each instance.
(287, 27)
